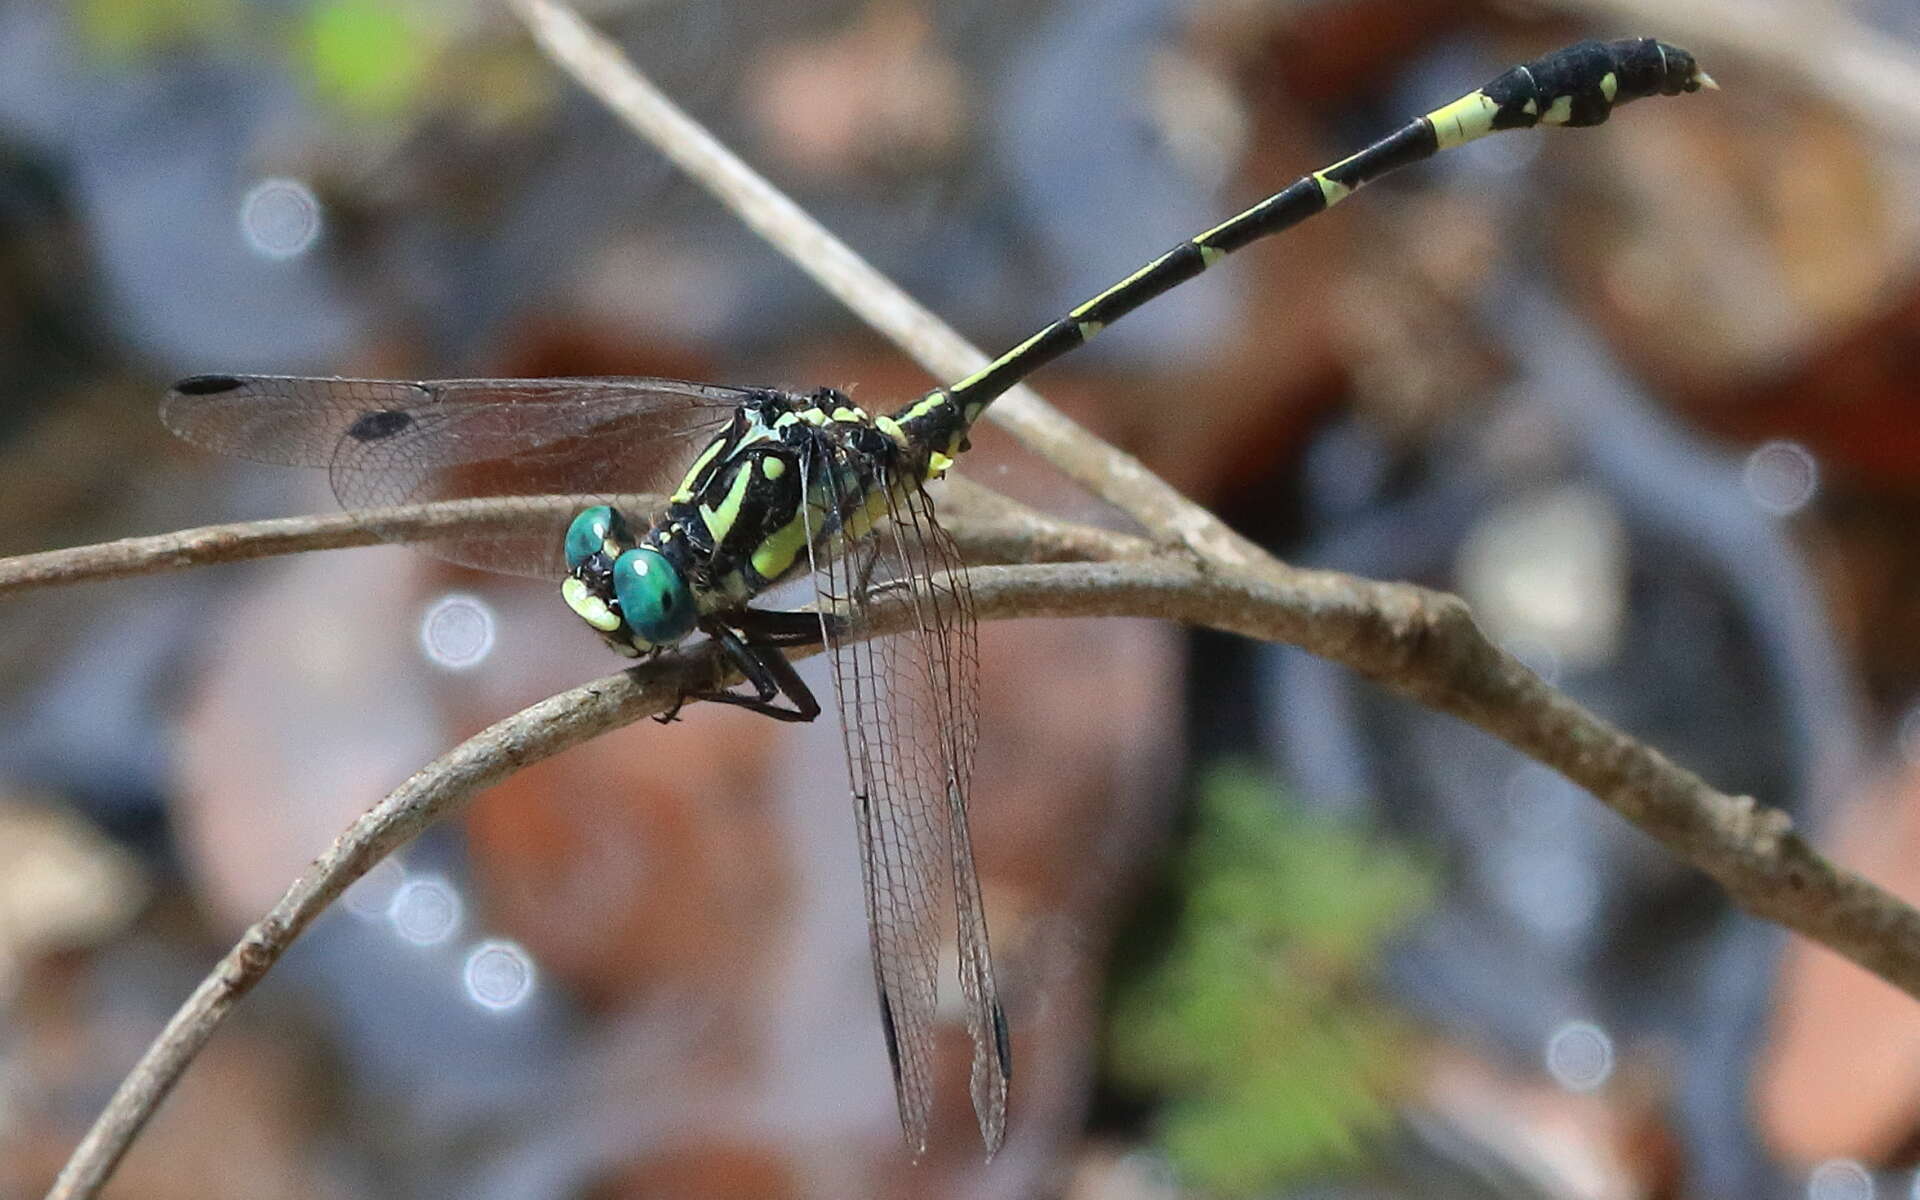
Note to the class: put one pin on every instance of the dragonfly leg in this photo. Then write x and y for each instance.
(785, 628)
(768, 672)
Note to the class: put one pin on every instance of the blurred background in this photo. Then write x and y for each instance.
(1646, 395)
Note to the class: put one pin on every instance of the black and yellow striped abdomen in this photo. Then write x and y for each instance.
(1577, 86)
(793, 473)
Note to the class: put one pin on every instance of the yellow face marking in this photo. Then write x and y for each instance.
(692, 480)
(1558, 112)
(852, 416)
(813, 416)
(891, 428)
(1462, 121)
(1331, 189)
(1089, 306)
(938, 464)
(785, 419)
(720, 520)
(1209, 255)
(1610, 83)
(773, 468)
(1089, 328)
(587, 606)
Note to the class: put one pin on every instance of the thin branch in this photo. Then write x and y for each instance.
(989, 527)
(992, 528)
(1113, 475)
(238, 542)
(1420, 643)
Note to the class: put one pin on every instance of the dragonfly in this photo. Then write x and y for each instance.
(766, 485)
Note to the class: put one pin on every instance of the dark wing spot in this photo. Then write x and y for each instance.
(206, 385)
(378, 424)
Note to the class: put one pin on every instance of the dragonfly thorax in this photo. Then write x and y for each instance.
(791, 479)
(790, 483)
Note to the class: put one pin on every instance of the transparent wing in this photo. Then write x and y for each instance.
(393, 442)
(941, 661)
(910, 718)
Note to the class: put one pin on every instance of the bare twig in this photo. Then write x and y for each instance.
(989, 527)
(244, 540)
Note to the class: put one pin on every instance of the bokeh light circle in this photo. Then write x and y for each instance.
(498, 975)
(280, 218)
(1580, 1056)
(1839, 1179)
(426, 911)
(1780, 477)
(457, 632)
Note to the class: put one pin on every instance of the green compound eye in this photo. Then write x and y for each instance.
(589, 532)
(653, 598)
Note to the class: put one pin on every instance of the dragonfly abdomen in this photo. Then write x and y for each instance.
(1579, 85)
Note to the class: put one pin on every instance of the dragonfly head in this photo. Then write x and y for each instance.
(631, 593)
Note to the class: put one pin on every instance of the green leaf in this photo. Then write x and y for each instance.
(1260, 1027)
(366, 55)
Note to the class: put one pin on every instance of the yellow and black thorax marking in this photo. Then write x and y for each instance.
(788, 473)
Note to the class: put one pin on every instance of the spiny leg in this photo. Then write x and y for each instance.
(782, 628)
(767, 671)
